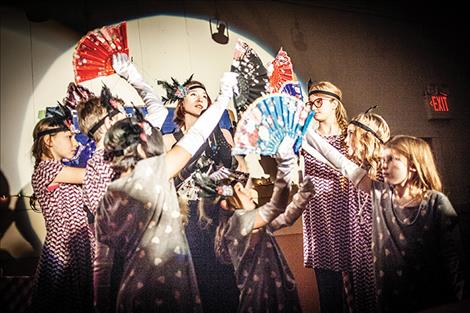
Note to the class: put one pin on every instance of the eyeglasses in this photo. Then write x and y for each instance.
(318, 102)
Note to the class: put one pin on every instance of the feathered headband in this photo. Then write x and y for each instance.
(111, 104)
(76, 94)
(176, 91)
(136, 133)
(61, 116)
(220, 183)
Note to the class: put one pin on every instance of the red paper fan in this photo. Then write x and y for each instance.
(93, 53)
(282, 71)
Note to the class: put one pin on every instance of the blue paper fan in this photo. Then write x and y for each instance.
(267, 121)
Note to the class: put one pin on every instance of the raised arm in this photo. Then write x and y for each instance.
(156, 111)
(182, 152)
(356, 174)
(286, 162)
(296, 207)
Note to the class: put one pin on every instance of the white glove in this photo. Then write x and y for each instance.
(205, 124)
(286, 158)
(339, 162)
(286, 161)
(228, 85)
(297, 205)
(156, 111)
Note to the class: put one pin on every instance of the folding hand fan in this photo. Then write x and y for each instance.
(292, 88)
(93, 53)
(267, 121)
(252, 79)
(282, 71)
(76, 94)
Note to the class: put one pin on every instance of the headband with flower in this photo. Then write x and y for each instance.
(176, 91)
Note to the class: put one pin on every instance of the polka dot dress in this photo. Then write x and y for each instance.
(143, 261)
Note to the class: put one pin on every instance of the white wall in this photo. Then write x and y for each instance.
(36, 67)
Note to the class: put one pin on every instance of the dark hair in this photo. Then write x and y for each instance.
(179, 110)
(122, 139)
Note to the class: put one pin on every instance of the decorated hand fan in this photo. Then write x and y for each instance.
(267, 121)
(93, 53)
(281, 71)
(292, 88)
(252, 79)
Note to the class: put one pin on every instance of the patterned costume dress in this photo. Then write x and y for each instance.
(143, 262)
(327, 228)
(99, 175)
(63, 280)
(263, 276)
(216, 281)
(362, 280)
(416, 252)
(326, 225)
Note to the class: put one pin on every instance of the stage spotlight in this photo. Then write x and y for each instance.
(220, 35)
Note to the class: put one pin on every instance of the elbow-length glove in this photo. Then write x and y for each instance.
(286, 161)
(156, 111)
(297, 205)
(208, 120)
(336, 159)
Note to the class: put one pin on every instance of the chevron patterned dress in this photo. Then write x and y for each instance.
(99, 175)
(363, 281)
(63, 279)
(326, 221)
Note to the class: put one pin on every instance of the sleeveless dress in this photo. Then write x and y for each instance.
(63, 279)
(216, 281)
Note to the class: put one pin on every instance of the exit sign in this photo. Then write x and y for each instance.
(436, 100)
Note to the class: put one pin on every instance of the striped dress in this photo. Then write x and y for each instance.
(63, 279)
(326, 221)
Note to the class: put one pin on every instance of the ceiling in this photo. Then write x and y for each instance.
(83, 15)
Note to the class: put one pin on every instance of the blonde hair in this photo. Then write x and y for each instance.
(368, 146)
(341, 114)
(419, 155)
(89, 113)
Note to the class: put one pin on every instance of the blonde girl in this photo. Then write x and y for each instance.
(326, 230)
(367, 132)
(416, 239)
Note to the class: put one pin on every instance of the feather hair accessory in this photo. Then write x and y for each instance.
(220, 183)
(77, 94)
(174, 90)
(61, 116)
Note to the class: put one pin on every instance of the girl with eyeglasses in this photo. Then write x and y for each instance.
(325, 219)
